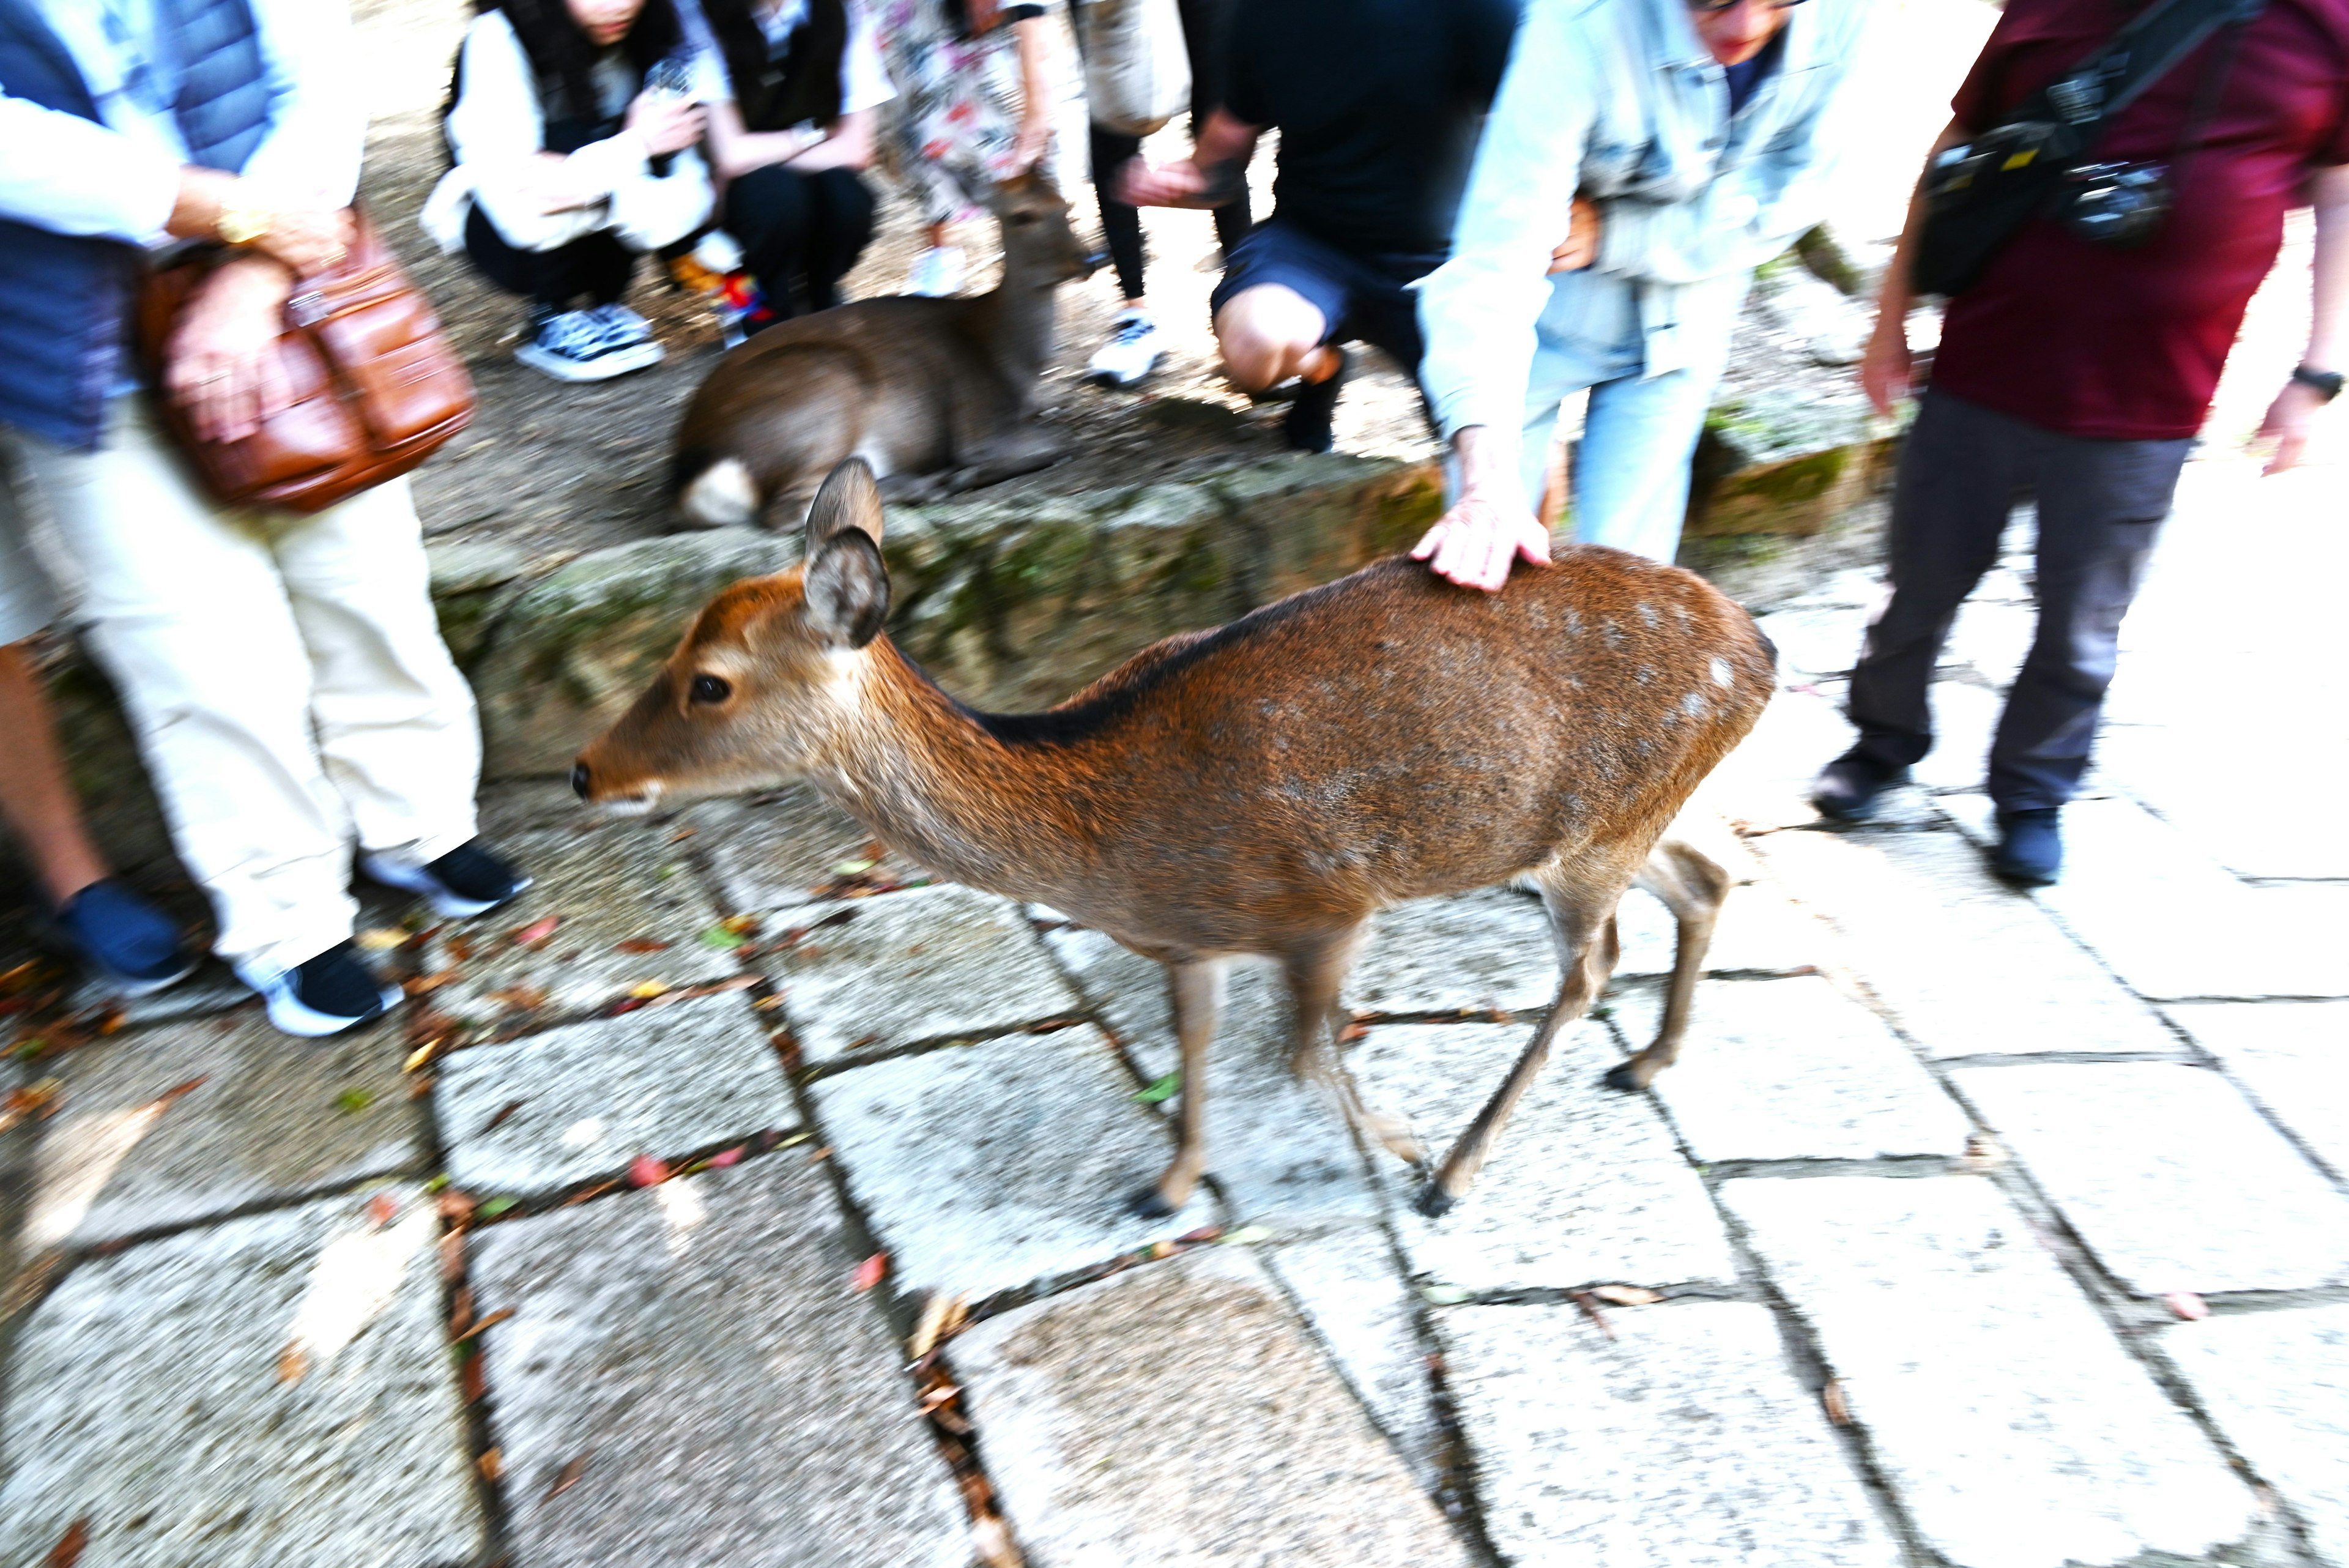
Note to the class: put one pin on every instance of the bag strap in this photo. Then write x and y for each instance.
(2092, 94)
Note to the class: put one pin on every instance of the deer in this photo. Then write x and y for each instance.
(934, 394)
(1258, 788)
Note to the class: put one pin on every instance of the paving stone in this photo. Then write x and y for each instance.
(1279, 1150)
(607, 881)
(1924, 922)
(148, 1394)
(1993, 639)
(1585, 1187)
(1175, 1414)
(2277, 1383)
(577, 1103)
(1348, 1285)
(931, 964)
(987, 1166)
(269, 1119)
(2168, 1175)
(701, 1347)
(1683, 1439)
(2009, 1421)
(1483, 952)
(1794, 1069)
(1761, 931)
(1965, 718)
(2293, 1056)
(1815, 640)
(773, 852)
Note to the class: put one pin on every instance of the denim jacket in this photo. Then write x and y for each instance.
(1620, 101)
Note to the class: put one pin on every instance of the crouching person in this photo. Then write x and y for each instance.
(284, 674)
(569, 165)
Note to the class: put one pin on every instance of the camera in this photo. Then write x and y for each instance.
(2121, 205)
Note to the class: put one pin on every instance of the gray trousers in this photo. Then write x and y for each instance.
(2101, 504)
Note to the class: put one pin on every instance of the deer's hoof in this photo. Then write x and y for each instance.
(1625, 1077)
(1149, 1203)
(1434, 1203)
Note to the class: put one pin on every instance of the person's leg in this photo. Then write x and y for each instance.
(1962, 471)
(1120, 224)
(839, 226)
(2101, 507)
(1280, 303)
(603, 266)
(768, 212)
(551, 280)
(33, 795)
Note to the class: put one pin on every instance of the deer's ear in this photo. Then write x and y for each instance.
(847, 585)
(848, 501)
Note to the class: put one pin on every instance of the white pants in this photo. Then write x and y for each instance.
(285, 676)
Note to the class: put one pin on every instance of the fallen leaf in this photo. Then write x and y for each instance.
(67, 1551)
(115, 1018)
(1626, 1295)
(382, 1208)
(380, 938)
(2187, 1304)
(570, 1476)
(419, 1087)
(853, 868)
(1161, 1248)
(723, 940)
(472, 1380)
(1831, 1397)
(537, 932)
(641, 945)
(293, 1363)
(422, 985)
(723, 1158)
(492, 1321)
(351, 1102)
(1443, 1295)
(494, 1206)
(1352, 1032)
(937, 1307)
(645, 990)
(1590, 1306)
(591, 1193)
(455, 1204)
(1246, 1236)
(1165, 1089)
(868, 1272)
(492, 1463)
(39, 1099)
(520, 998)
(509, 1108)
(422, 1056)
(461, 949)
(645, 1170)
(992, 1540)
(682, 834)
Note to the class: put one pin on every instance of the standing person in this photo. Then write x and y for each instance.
(568, 166)
(1378, 103)
(1132, 352)
(284, 674)
(973, 111)
(792, 87)
(2078, 373)
(1644, 156)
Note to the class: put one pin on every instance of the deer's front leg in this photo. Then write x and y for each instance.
(1196, 992)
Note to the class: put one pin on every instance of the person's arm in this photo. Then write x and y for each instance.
(1197, 180)
(1885, 364)
(1478, 311)
(735, 150)
(2291, 416)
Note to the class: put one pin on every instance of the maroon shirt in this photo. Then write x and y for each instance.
(2087, 340)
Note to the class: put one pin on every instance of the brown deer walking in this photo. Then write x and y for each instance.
(936, 395)
(1259, 788)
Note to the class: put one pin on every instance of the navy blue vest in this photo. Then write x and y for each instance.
(64, 299)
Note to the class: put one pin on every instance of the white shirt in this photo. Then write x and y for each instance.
(118, 177)
(864, 80)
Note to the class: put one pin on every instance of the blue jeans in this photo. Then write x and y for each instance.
(1631, 469)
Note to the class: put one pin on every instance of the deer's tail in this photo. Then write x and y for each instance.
(713, 491)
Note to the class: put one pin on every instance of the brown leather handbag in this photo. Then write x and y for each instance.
(377, 388)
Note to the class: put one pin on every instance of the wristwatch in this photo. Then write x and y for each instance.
(241, 225)
(2326, 382)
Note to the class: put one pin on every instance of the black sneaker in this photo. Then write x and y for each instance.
(1847, 787)
(1307, 423)
(469, 880)
(2030, 847)
(323, 995)
(127, 941)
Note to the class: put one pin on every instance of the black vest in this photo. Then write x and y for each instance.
(803, 84)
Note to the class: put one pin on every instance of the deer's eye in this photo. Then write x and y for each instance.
(711, 689)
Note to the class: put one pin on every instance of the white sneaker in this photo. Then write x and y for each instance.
(1130, 353)
(623, 327)
(937, 272)
(323, 995)
(573, 346)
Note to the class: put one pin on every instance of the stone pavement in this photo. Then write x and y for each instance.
(1972, 1229)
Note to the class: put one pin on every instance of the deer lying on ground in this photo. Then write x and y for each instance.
(936, 395)
(1260, 788)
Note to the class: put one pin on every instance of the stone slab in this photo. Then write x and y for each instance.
(1765, 783)
(989, 1167)
(578, 1103)
(773, 852)
(1965, 719)
(1278, 1150)
(1351, 1292)
(147, 1394)
(1175, 1414)
(606, 881)
(927, 964)
(1683, 1439)
(1794, 1069)
(1924, 922)
(267, 1121)
(701, 1347)
(2167, 1173)
(2293, 1056)
(1586, 1185)
(1761, 931)
(1488, 952)
(2010, 1423)
(2277, 1383)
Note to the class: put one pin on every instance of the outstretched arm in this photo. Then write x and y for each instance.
(1197, 180)
(2293, 413)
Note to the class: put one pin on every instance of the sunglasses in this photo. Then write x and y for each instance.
(1712, 7)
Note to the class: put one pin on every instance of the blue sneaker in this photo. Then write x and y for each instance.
(130, 944)
(322, 995)
(2030, 847)
(467, 881)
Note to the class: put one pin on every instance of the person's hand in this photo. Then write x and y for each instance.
(1579, 249)
(2289, 422)
(1477, 541)
(1181, 183)
(307, 239)
(1033, 140)
(1885, 366)
(224, 369)
(665, 123)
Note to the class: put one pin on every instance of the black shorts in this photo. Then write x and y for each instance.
(1364, 298)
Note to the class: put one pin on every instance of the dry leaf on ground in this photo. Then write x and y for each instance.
(868, 1272)
(537, 932)
(1626, 1295)
(570, 1476)
(67, 1551)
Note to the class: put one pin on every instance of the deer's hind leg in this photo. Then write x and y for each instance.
(1315, 972)
(1195, 990)
(1582, 921)
(1692, 885)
